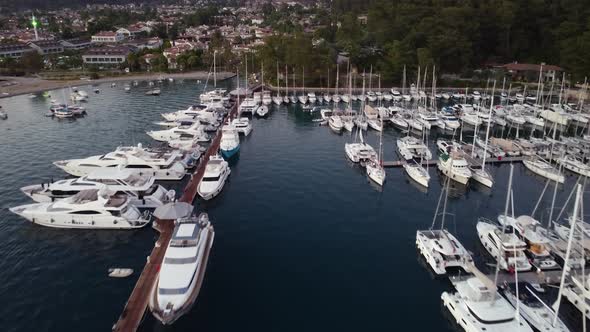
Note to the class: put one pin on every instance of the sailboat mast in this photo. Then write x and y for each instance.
(337, 76)
(489, 119)
(539, 85)
(278, 82)
(286, 81)
(568, 251)
(508, 191)
(371, 78)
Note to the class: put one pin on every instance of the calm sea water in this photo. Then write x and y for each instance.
(303, 240)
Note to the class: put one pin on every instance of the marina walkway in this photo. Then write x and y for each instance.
(137, 303)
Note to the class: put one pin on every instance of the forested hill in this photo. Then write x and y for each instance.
(459, 34)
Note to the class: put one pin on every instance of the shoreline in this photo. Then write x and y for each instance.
(15, 86)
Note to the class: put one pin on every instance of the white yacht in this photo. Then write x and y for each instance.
(410, 147)
(506, 248)
(477, 307)
(360, 151)
(327, 97)
(141, 189)
(193, 112)
(396, 95)
(262, 111)
(535, 237)
(277, 100)
(348, 123)
(216, 173)
(161, 165)
(375, 124)
(335, 123)
(449, 120)
(95, 209)
(442, 250)
(248, 105)
(214, 95)
(311, 97)
(230, 141)
(574, 164)
(194, 131)
(361, 122)
(538, 314)
(453, 165)
(543, 168)
(266, 98)
(242, 125)
(398, 121)
(578, 293)
(417, 172)
(375, 171)
(183, 269)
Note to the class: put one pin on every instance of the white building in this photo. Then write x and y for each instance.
(107, 37)
(112, 56)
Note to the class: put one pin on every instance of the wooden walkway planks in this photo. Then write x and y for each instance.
(138, 300)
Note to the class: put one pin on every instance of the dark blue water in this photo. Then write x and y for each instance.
(303, 240)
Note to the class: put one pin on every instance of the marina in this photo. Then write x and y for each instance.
(258, 216)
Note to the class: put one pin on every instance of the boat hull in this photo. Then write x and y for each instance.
(227, 154)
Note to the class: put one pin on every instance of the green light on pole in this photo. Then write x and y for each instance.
(34, 23)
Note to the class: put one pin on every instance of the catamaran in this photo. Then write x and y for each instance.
(359, 151)
(439, 247)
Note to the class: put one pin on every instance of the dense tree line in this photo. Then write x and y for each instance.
(456, 35)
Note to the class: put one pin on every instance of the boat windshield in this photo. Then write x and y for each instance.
(211, 178)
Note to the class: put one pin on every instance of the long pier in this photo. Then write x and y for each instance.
(474, 162)
(137, 303)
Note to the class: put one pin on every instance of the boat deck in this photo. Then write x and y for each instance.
(137, 303)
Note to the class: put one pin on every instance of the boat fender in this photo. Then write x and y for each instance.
(167, 173)
(115, 222)
(92, 222)
(33, 220)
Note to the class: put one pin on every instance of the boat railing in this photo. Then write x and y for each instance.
(486, 220)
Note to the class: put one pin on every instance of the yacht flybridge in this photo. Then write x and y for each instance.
(183, 269)
(141, 189)
(189, 131)
(96, 209)
(162, 165)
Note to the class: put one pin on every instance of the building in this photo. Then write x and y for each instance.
(135, 30)
(145, 43)
(112, 56)
(76, 44)
(107, 37)
(46, 47)
(530, 72)
(15, 50)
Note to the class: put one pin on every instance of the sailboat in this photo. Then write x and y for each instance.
(360, 120)
(286, 99)
(481, 175)
(348, 120)
(327, 96)
(278, 100)
(303, 97)
(374, 168)
(336, 96)
(439, 247)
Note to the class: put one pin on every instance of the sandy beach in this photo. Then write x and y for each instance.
(13, 86)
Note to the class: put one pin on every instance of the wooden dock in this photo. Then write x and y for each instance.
(137, 303)
(473, 162)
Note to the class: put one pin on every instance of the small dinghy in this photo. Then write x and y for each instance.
(120, 272)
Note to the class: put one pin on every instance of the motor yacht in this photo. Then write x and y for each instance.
(183, 269)
(410, 147)
(399, 122)
(477, 307)
(454, 165)
(230, 141)
(242, 125)
(375, 124)
(141, 189)
(216, 173)
(194, 131)
(506, 248)
(335, 123)
(162, 165)
(535, 236)
(262, 111)
(88, 209)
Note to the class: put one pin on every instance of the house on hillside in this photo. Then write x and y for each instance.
(530, 72)
(106, 56)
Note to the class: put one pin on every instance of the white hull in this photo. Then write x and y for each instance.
(419, 175)
(483, 177)
(549, 173)
(210, 194)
